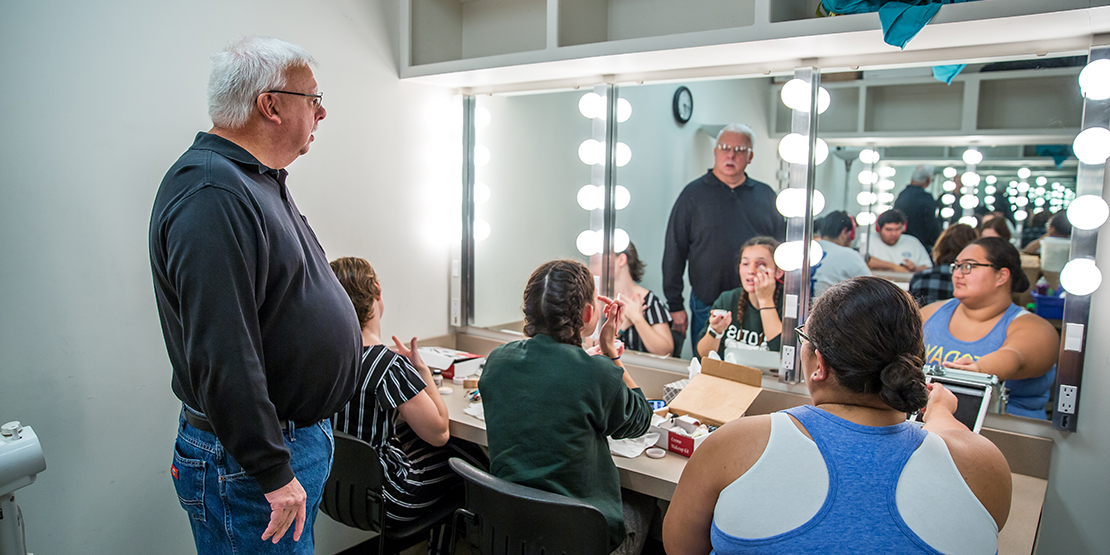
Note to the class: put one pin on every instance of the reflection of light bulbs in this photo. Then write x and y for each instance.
(1024, 173)
(790, 202)
(867, 178)
(481, 193)
(1080, 277)
(947, 212)
(794, 149)
(1023, 187)
(992, 179)
(972, 157)
(1092, 145)
(624, 155)
(481, 230)
(481, 156)
(592, 105)
(1094, 80)
(591, 152)
(969, 201)
(588, 242)
(990, 190)
(886, 197)
(795, 95)
(949, 186)
(481, 118)
(887, 171)
(1088, 212)
(1038, 202)
(624, 111)
(989, 199)
(1020, 215)
(623, 197)
(865, 218)
(1042, 180)
(886, 185)
(1039, 191)
(620, 240)
(970, 179)
(950, 172)
(868, 156)
(788, 255)
(818, 202)
(948, 198)
(866, 198)
(969, 220)
(590, 197)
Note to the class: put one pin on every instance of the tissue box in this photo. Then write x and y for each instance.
(671, 390)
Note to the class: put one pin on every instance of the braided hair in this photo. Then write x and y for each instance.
(771, 244)
(554, 298)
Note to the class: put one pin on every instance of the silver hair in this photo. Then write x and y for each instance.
(923, 173)
(243, 70)
(739, 129)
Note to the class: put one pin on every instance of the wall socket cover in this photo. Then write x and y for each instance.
(1066, 402)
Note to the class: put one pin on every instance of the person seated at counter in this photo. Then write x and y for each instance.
(1035, 227)
(549, 405)
(982, 330)
(935, 284)
(1057, 226)
(895, 251)
(645, 321)
(415, 448)
(750, 316)
(839, 261)
(847, 474)
(994, 227)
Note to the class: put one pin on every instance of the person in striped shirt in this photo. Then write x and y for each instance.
(398, 409)
(646, 324)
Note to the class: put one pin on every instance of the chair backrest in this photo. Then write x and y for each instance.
(352, 494)
(520, 520)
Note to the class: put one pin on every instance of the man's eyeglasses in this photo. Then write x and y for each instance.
(317, 98)
(802, 334)
(965, 268)
(741, 149)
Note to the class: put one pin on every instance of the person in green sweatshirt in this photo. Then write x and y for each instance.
(549, 405)
(750, 316)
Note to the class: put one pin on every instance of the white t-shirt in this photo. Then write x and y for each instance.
(907, 248)
(838, 264)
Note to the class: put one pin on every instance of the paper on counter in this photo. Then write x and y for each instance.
(476, 410)
(632, 447)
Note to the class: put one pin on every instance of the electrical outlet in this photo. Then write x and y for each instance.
(456, 312)
(1066, 402)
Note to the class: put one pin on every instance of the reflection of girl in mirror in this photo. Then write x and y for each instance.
(645, 322)
(549, 405)
(982, 330)
(750, 316)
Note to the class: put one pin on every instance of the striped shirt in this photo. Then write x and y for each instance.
(655, 312)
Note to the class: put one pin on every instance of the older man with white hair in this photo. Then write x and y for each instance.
(920, 207)
(711, 219)
(263, 340)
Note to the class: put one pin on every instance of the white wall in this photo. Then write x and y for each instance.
(100, 99)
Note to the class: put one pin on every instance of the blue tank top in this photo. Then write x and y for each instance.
(860, 512)
(1027, 396)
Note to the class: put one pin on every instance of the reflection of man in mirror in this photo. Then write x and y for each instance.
(896, 251)
(839, 262)
(920, 207)
(712, 218)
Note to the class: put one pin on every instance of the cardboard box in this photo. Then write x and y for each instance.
(721, 393)
(671, 390)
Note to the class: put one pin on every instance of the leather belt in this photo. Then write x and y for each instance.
(201, 423)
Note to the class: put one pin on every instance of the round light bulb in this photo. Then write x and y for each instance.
(481, 193)
(788, 256)
(868, 156)
(1023, 187)
(948, 198)
(481, 156)
(588, 242)
(823, 100)
(1039, 191)
(886, 197)
(1080, 277)
(1042, 180)
(624, 111)
(866, 198)
(989, 199)
(815, 253)
(867, 178)
(992, 179)
(591, 152)
(623, 197)
(972, 157)
(1038, 202)
(1024, 173)
(1020, 215)
(947, 212)
(949, 186)
(865, 218)
(481, 118)
(950, 172)
(1094, 80)
(886, 185)
(887, 171)
(969, 220)
(794, 149)
(790, 202)
(590, 197)
(624, 155)
(481, 230)
(970, 179)
(795, 95)
(990, 189)
(591, 105)
(1088, 212)
(620, 240)
(1092, 145)
(969, 201)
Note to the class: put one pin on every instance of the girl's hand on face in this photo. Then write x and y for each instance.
(765, 286)
(612, 311)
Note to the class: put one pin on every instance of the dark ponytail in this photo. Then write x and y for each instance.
(869, 332)
(554, 298)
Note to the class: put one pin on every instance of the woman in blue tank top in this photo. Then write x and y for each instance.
(847, 474)
(982, 330)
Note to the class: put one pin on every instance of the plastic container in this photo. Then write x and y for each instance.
(1054, 253)
(1049, 307)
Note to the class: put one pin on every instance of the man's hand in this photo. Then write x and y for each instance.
(910, 266)
(680, 321)
(287, 505)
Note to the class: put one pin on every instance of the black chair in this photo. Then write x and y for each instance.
(353, 496)
(516, 519)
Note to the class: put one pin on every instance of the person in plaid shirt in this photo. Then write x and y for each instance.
(935, 284)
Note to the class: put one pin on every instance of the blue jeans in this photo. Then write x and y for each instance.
(227, 509)
(699, 319)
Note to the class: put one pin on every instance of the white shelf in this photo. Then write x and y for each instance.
(504, 45)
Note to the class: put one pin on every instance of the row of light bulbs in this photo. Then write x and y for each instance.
(592, 197)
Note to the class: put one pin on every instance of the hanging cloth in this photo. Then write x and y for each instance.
(901, 20)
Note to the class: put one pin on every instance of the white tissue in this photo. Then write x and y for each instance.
(695, 366)
(476, 410)
(632, 447)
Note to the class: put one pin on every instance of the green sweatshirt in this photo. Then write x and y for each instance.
(747, 332)
(549, 407)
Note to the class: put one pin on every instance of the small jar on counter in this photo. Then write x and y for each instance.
(437, 377)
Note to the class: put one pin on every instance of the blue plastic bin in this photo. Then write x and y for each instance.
(1049, 307)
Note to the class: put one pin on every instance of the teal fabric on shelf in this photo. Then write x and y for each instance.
(946, 74)
(901, 21)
